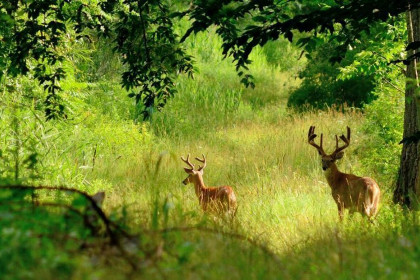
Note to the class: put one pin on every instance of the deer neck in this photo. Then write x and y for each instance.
(332, 174)
(199, 185)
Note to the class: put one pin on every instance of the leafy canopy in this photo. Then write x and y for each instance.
(143, 34)
(245, 24)
(142, 31)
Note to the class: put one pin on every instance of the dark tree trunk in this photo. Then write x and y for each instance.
(408, 185)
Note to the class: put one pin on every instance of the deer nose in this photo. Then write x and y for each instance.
(184, 182)
(324, 168)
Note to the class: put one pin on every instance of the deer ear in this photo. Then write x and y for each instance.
(99, 197)
(189, 171)
(339, 155)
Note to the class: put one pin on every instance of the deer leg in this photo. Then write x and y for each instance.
(341, 214)
(340, 206)
(365, 210)
(204, 206)
(340, 211)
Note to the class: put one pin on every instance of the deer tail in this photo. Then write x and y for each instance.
(371, 201)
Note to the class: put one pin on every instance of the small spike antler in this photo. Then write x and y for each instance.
(345, 139)
(203, 161)
(187, 161)
(311, 138)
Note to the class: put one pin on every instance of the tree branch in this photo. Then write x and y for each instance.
(233, 235)
(144, 33)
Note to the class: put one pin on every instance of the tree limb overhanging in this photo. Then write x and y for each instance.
(268, 20)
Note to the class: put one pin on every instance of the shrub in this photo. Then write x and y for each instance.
(384, 125)
(356, 92)
(322, 86)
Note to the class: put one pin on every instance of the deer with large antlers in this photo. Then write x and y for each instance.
(349, 191)
(212, 199)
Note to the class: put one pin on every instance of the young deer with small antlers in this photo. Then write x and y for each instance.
(349, 191)
(213, 199)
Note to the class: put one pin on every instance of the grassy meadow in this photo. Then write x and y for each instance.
(253, 143)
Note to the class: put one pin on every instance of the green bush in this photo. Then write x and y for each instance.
(322, 86)
(355, 92)
(384, 125)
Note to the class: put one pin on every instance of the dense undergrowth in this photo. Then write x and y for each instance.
(252, 142)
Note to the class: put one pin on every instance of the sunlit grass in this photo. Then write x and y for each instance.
(284, 201)
(257, 146)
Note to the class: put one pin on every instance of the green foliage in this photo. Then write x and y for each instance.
(269, 20)
(321, 87)
(252, 143)
(27, 249)
(355, 92)
(101, 62)
(384, 124)
(284, 55)
(149, 47)
(384, 117)
(142, 34)
(373, 53)
(353, 80)
(21, 131)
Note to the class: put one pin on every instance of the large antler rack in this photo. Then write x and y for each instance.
(311, 138)
(187, 161)
(202, 161)
(345, 139)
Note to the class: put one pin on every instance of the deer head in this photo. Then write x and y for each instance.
(193, 175)
(328, 160)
